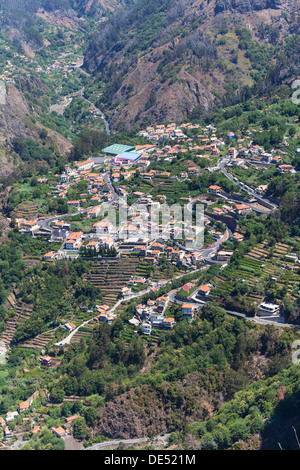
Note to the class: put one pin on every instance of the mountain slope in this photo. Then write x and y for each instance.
(158, 61)
(18, 121)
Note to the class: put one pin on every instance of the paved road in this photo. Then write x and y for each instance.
(107, 128)
(263, 321)
(106, 444)
(246, 189)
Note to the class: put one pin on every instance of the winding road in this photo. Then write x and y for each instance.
(251, 192)
(66, 100)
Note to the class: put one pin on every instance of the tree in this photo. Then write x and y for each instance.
(90, 415)
(43, 133)
(79, 428)
(57, 395)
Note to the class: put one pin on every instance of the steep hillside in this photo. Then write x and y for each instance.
(19, 11)
(17, 121)
(19, 19)
(160, 60)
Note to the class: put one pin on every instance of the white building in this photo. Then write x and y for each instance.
(266, 308)
(146, 328)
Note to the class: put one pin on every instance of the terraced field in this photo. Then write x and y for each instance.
(262, 263)
(22, 313)
(113, 274)
(26, 210)
(83, 332)
(39, 341)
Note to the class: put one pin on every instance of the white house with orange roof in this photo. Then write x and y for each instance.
(204, 290)
(188, 310)
(93, 244)
(214, 189)
(50, 256)
(23, 406)
(74, 241)
(86, 165)
(102, 227)
(93, 213)
(29, 226)
(168, 322)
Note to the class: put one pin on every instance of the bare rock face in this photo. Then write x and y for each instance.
(13, 113)
(244, 6)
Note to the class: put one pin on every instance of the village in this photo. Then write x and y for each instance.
(128, 179)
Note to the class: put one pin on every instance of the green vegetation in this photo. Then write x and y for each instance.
(218, 380)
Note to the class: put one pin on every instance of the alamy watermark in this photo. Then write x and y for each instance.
(152, 221)
(296, 353)
(296, 94)
(2, 92)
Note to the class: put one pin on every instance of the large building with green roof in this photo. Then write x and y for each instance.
(116, 149)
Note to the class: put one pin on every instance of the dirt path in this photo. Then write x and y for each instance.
(72, 444)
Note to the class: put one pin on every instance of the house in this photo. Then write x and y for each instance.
(103, 309)
(71, 418)
(102, 227)
(29, 226)
(115, 176)
(106, 317)
(268, 309)
(168, 322)
(218, 210)
(86, 165)
(146, 328)
(74, 203)
(237, 237)
(36, 430)
(224, 255)
(156, 320)
(204, 290)
(60, 432)
(46, 361)
(23, 406)
(131, 230)
(193, 170)
(188, 286)
(285, 168)
(231, 135)
(262, 188)
(92, 213)
(242, 209)
(107, 242)
(188, 310)
(50, 256)
(8, 433)
(161, 198)
(134, 321)
(11, 415)
(214, 189)
(93, 245)
(2, 422)
(74, 241)
(232, 152)
(69, 326)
